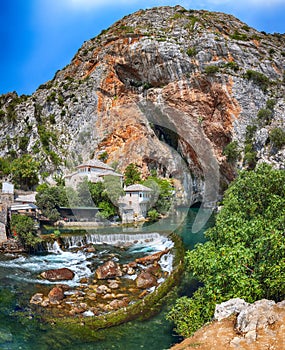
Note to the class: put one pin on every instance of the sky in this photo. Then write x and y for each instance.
(39, 37)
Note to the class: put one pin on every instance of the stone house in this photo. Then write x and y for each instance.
(94, 170)
(135, 204)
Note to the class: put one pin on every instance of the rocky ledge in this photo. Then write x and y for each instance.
(240, 325)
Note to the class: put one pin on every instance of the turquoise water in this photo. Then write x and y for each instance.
(20, 328)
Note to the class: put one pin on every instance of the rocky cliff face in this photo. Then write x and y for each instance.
(165, 88)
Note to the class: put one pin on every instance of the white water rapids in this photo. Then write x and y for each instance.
(27, 268)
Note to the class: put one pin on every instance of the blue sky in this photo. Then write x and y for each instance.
(38, 37)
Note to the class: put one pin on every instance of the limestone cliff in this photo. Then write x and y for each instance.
(243, 326)
(165, 88)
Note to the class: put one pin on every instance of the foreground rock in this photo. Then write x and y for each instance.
(63, 274)
(243, 326)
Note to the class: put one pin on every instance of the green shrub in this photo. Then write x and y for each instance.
(258, 78)
(60, 100)
(232, 152)
(153, 214)
(191, 51)
(250, 158)
(232, 65)
(264, 116)
(23, 229)
(23, 143)
(52, 119)
(211, 69)
(277, 137)
(270, 104)
(51, 97)
(239, 36)
(250, 131)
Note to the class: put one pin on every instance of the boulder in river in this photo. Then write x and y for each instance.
(58, 274)
(150, 259)
(55, 295)
(109, 270)
(146, 280)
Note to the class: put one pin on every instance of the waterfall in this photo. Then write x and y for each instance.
(111, 239)
(54, 247)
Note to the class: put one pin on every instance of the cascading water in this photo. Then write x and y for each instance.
(112, 239)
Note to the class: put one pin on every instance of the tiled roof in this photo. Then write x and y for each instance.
(137, 188)
(95, 163)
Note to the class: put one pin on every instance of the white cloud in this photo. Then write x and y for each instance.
(88, 5)
(91, 4)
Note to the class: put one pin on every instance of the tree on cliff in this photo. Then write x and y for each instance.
(245, 253)
(132, 174)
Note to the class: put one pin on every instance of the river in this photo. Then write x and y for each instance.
(20, 328)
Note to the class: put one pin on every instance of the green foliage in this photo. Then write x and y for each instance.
(232, 65)
(132, 174)
(270, 104)
(232, 152)
(258, 78)
(103, 156)
(23, 143)
(46, 137)
(23, 228)
(191, 314)
(24, 171)
(105, 195)
(49, 198)
(244, 256)
(162, 193)
(192, 21)
(250, 158)
(5, 166)
(51, 97)
(113, 188)
(191, 51)
(210, 70)
(264, 116)
(60, 100)
(153, 214)
(239, 36)
(277, 137)
(250, 131)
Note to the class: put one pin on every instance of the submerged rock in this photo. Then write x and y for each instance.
(58, 274)
(37, 298)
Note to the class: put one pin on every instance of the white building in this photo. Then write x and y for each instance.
(135, 204)
(94, 170)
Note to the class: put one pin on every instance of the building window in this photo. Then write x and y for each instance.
(140, 194)
(130, 194)
(130, 202)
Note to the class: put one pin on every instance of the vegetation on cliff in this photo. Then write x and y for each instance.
(244, 256)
